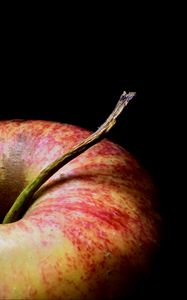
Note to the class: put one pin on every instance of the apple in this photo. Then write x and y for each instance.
(94, 226)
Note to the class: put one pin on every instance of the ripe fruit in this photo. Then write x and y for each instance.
(93, 227)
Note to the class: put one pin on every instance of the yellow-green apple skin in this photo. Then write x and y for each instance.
(94, 226)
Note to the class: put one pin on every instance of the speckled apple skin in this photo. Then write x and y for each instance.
(94, 226)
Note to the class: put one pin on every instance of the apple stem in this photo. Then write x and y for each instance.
(17, 208)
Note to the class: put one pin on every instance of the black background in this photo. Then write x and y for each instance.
(74, 72)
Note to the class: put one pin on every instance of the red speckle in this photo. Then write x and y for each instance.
(113, 216)
(24, 226)
(45, 243)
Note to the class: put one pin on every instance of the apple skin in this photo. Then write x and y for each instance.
(94, 227)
